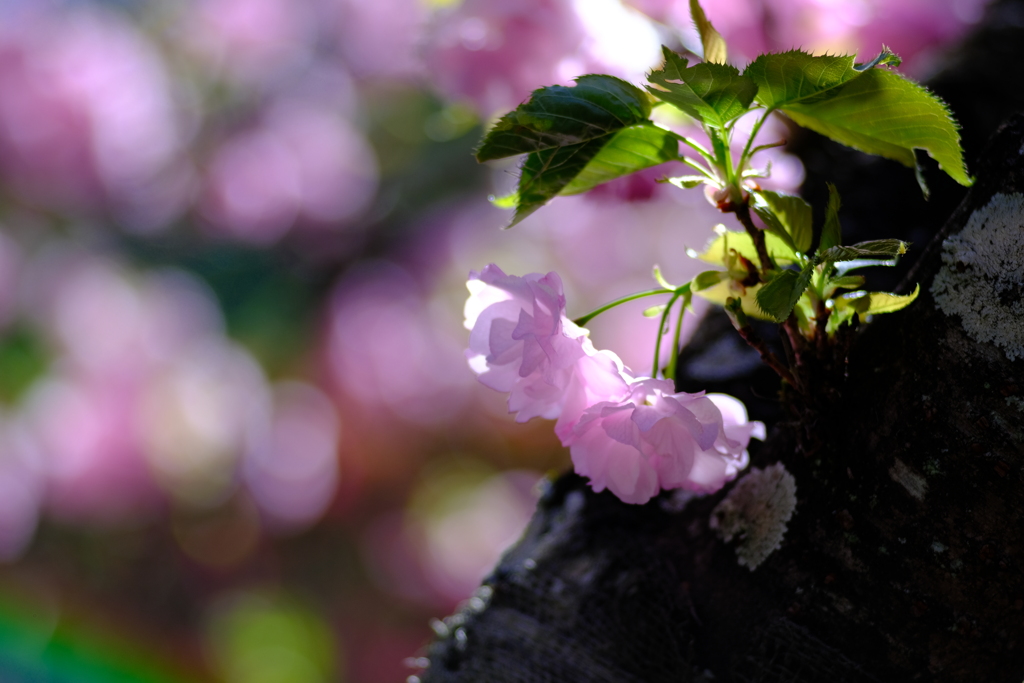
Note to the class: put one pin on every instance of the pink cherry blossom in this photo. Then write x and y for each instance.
(522, 343)
(632, 435)
(728, 456)
(657, 439)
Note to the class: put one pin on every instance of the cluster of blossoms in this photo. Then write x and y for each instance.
(632, 435)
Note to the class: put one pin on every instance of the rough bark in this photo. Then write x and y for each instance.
(904, 560)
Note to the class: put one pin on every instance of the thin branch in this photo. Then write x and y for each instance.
(821, 326)
(757, 236)
(755, 342)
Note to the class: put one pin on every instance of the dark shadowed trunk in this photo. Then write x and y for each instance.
(904, 559)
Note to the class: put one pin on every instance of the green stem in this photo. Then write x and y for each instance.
(583, 320)
(757, 236)
(695, 146)
(661, 332)
(753, 134)
(670, 373)
(723, 159)
(770, 145)
(693, 164)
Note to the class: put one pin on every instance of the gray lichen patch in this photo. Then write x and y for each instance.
(982, 276)
(756, 511)
(914, 483)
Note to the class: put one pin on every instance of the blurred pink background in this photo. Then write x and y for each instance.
(238, 438)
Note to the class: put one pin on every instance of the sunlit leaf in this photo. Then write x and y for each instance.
(725, 290)
(508, 201)
(629, 150)
(778, 297)
(848, 282)
(873, 303)
(714, 94)
(687, 182)
(871, 109)
(786, 78)
(712, 41)
(577, 138)
(883, 113)
(558, 116)
(837, 317)
(707, 279)
(654, 311)
(786, 215)
(717, 250)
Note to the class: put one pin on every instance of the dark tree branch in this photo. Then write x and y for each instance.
(904, 561)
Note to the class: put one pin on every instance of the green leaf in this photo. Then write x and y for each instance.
(508, 201)
(558, 116)
(871, 109)
(712, 41)
(778, 297)
(654, 311)
(688, 181)
(786, 78)
(787, 215)
(577, 138)
(660, 279)
(714, 94)
(872, 250)
(847, 281)
(717, 250)
(707, 279)
(725, 290)
(844, 267)
(873, 303)
(832, 232)
(885, 58)
(629, 150)
(881, 112)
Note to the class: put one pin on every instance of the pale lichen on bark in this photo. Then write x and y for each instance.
(982, 276)
(756, 511)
